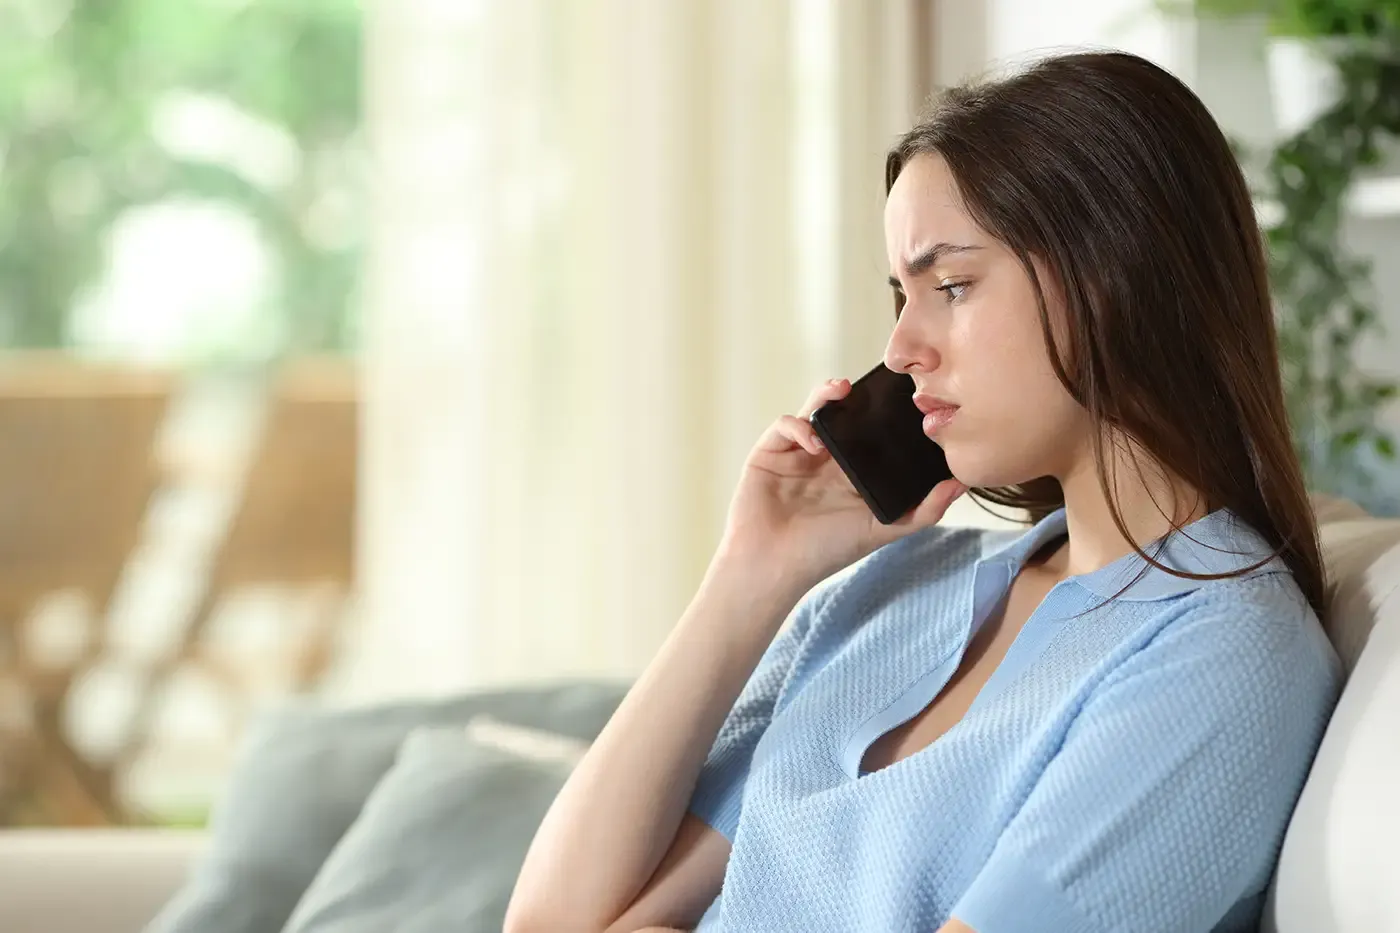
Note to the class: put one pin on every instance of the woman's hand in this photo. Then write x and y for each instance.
(796, 515)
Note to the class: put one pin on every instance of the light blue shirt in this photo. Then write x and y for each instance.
(1132, 769)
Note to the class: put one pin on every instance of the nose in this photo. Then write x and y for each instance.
(910, 349)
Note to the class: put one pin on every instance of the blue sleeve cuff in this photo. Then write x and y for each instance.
(719, 793)
(1008, 897)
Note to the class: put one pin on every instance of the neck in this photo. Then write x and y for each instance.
(1149, 506)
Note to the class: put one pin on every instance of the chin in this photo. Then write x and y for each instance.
(984, 471)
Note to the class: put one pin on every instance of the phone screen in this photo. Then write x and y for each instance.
(875, 434)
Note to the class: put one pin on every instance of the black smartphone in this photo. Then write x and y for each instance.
(876, 435)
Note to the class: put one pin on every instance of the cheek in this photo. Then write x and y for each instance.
(1018, 421)
(1024, 431)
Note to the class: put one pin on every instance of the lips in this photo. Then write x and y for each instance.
(937, 412)
(931, 403)
(937, 420)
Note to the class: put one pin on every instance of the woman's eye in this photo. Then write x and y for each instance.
(953, 291)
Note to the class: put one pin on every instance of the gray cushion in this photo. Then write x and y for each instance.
(302, 780)
(439, 844)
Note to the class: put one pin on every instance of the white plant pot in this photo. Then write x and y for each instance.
(1303, 83)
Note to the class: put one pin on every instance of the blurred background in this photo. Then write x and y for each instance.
(402, 348)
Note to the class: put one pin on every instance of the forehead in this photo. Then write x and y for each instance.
(924, 208)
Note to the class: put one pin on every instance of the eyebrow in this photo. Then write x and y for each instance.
(928, 258)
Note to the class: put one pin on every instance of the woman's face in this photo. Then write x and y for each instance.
(970, 334)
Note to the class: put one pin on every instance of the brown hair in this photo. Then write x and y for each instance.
(1113, 174)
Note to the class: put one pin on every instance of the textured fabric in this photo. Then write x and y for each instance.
(440, 842)
(1133, 768)
(302, 780)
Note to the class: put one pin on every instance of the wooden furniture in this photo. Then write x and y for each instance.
(293, 528)
(78, 468)
(76, 472)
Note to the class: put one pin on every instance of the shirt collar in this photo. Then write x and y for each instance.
(1218, 543)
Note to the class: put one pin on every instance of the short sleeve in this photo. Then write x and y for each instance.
(718, 795)
(1167, 802)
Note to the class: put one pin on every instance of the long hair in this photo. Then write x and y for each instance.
(1113, 174)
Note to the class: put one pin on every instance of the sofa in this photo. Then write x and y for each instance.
(1338, 872)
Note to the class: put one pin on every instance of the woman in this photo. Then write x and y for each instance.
(1101, 723)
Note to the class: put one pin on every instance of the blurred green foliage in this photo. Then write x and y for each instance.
(1309, 18)
(1327, 304)
(1324, 295)
(82, 84)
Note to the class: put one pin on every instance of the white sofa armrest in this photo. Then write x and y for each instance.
(90, 881)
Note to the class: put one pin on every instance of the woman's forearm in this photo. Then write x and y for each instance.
(617, 815)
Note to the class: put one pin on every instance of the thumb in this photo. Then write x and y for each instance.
(927, 513)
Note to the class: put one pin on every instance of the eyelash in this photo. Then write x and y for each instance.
(947, 291)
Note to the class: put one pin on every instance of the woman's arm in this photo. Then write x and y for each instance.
(617, 818)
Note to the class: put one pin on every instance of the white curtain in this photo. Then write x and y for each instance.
(614, 239)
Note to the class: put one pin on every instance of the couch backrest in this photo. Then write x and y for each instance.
(1339, 869)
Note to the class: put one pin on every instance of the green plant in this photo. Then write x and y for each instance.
(1306, 18)
(1325, 300)
(1323, 295)
(82, 85)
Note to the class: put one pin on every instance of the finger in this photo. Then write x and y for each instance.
(930, 511)
(827, 391)
(789, 433)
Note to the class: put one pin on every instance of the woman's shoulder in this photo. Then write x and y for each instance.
(936, 549)
(1267, 604)
(914, 567)
(1260, 626)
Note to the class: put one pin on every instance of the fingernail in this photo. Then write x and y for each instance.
(818, 441)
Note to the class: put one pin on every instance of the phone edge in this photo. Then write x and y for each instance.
(876, 507)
